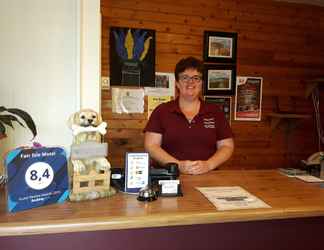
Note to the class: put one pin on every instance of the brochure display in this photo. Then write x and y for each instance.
(136, 172)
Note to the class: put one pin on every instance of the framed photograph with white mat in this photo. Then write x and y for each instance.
(219, 80)
(220, 47)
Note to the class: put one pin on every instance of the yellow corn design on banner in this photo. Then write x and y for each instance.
(129, 44)
(146, 47)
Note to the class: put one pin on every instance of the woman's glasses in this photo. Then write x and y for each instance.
(186, 78)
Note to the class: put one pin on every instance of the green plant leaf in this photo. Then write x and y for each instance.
(8, 119)
(2, 129)
(25, 117)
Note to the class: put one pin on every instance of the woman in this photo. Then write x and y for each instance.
(187, 130)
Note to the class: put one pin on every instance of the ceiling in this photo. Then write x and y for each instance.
(311, 2)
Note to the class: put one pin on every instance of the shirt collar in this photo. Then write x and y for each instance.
(176, 108)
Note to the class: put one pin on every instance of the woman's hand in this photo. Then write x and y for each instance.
(194, 167)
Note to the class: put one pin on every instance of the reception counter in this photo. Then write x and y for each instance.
(294, 221)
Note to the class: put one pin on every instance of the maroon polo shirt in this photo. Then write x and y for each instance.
(196, 140)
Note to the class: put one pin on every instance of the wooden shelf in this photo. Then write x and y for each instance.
(277, 117)
(313, 84)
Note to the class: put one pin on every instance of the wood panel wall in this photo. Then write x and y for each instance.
(280, 42)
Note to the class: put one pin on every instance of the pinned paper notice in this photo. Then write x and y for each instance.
(127, 100)
(154, 101)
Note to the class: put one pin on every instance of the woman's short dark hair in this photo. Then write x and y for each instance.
(188, 63)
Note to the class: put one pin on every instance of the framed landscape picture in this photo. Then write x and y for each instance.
(219, 80)
(220, 47)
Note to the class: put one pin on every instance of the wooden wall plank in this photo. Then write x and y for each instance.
(277, 41)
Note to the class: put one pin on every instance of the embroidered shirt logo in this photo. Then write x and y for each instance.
(209, 122)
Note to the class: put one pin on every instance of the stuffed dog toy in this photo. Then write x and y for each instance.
(85, 118)
(87, 126)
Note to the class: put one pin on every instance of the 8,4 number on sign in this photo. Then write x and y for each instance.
(39, 175)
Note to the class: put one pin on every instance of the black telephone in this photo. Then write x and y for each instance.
(312, 164)
(314, 159)
(168, 172)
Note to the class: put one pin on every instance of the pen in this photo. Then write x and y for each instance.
(233, 198)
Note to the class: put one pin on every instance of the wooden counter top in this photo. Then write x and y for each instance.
(288, 197)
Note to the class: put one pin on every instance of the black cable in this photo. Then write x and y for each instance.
(319, 129)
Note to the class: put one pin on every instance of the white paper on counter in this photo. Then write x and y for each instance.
(230, 198)
(309, 178)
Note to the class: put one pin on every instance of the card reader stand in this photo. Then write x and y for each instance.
(178, 193)
(169, 173)
(167, 181)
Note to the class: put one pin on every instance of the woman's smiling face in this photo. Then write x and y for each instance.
(189, 84)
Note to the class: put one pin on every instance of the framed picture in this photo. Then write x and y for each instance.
(248, 98)
(220, 47)
(132, 57)
(165, 80)
(224, 103)
(219, 80)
